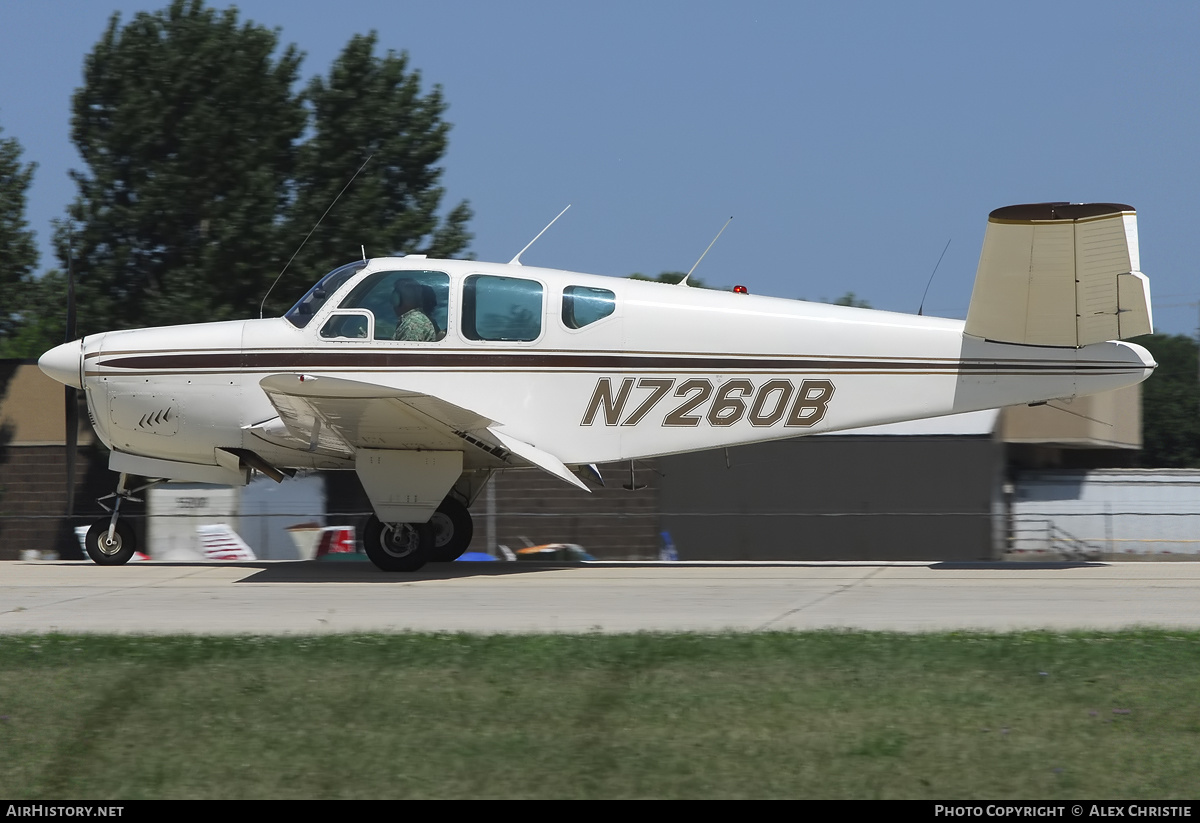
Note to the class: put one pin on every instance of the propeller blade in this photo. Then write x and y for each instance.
(72, 400)
(70, 294)
(72, 417)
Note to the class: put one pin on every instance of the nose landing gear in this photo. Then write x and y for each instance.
(110, 544)
(110, 541)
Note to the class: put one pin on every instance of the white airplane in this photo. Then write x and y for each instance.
(534, 367)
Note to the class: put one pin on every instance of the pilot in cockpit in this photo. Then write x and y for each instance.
(412, 321)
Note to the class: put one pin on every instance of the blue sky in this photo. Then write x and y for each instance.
(850, 141)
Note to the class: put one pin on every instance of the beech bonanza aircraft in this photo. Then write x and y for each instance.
(533, 367)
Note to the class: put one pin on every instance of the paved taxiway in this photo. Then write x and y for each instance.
(322, 597)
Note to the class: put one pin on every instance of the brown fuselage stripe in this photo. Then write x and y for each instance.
(292, 361)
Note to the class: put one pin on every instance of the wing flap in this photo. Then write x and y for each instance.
(304, 423)
(542, 459)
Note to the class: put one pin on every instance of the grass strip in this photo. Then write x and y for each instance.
(965, 716)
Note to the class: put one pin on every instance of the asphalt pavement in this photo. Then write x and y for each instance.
(322, 597)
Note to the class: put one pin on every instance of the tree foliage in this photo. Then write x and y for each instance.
(372, 107)
(848, 299)
(1171, 404)
(187, 124)
(40, 316)
(206, 168)
(18, 255)
(671, 277)
(853, 300)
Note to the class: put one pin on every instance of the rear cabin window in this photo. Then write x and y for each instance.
(501, 308)
(582, 306)
(407, 305)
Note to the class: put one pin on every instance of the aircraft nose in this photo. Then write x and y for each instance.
(63, 363)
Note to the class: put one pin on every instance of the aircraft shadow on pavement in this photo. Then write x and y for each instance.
(364, 572)
(1014, 566)
(310, 571)
(315, 571)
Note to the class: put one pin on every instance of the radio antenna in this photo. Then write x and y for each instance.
(516, 261)
(683, 282)
(921, 308)
(1050, 405)
(310, 233)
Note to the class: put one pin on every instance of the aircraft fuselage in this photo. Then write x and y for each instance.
(643, 369)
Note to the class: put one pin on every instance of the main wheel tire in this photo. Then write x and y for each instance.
(398, 547)
(452, 531)
(116, 552)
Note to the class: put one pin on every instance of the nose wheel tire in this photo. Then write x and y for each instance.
(452, 531)
(398, 547)
(115, 552)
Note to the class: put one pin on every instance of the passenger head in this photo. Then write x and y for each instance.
(428, 299)
(406, 295)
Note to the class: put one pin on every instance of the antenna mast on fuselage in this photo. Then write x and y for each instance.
(516, 261)
(310, 232)
(683, 282)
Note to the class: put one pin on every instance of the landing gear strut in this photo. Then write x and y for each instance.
(110, 541)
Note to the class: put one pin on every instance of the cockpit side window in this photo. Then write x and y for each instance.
(345, 325)
(501, 308)
(582, 306)
(300, 314)
(407, 305)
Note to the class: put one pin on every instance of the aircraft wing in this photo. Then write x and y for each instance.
(341, 416)
(345, 415)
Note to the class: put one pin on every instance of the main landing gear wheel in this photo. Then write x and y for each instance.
(452, 531)
(113, 552)
(398, 547)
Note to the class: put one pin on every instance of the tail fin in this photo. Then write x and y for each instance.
(1060, 274)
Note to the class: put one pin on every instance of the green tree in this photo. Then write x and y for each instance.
(671, 277)
(1171, 404)
(848, 299)
(851, 299)
(371, 106)
(199, 188)
(42, 316)
(188, 125)
(18, 254)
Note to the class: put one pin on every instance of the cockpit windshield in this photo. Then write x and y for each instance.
(300, 314)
